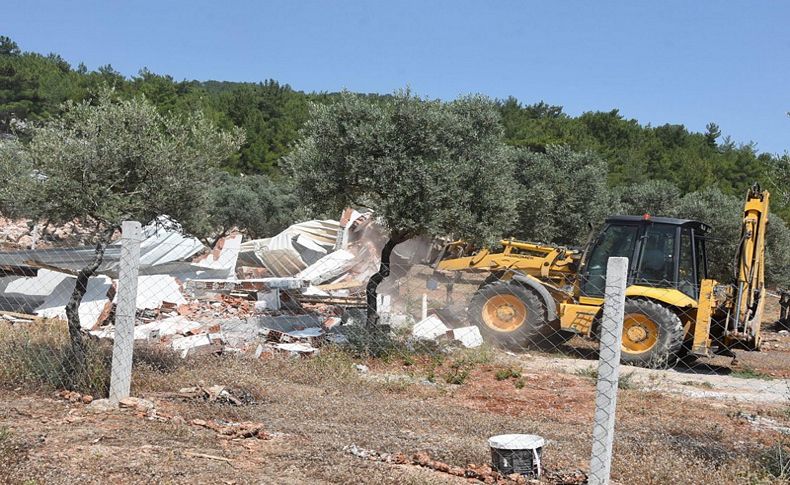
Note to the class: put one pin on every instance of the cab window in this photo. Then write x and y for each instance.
(657, 262)
(687, 282)
(615, 241)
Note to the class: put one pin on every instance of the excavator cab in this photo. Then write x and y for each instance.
(663, 252)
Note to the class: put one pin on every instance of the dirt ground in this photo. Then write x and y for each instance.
(707, 422)
(314, 408)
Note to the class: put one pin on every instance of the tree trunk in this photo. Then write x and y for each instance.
(35, 234)
(80, 288)
(377, 278)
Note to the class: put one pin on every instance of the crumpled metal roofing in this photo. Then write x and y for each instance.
(295, 248)
(161, 245)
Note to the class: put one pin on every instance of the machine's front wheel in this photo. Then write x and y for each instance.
(513, 316)
(652, 334)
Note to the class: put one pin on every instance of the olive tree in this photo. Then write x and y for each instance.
(425, 167)
(561, 191)
(108, 160)
(724, 213)
(254, 203)
(654, 197)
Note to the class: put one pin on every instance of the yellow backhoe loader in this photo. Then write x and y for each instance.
(542, 295)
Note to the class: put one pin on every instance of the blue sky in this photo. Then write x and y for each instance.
(667, 61)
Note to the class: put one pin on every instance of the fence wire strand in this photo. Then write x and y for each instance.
(251, 352)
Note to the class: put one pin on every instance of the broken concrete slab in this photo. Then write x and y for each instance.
(43, 284)
(397, 320)
(430, 328)
(469, 337)
(222, 259)
(268, 300)
(219, 263)
(289, 324)
(296, 348)
(94, 304)
(163, 328)
(153, 290)
(158, 329)
(101, 406)
(138, 404)
(197, 344)
(198, 287)
(328, 267)
(314, 291)
(239, 333)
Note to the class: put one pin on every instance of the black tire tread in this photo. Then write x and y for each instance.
(667, 350)
(535, 333)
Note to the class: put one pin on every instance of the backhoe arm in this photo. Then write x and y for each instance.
(750, 268)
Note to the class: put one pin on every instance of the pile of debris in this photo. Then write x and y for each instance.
(285, 294)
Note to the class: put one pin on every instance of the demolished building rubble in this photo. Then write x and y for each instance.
(288, 294)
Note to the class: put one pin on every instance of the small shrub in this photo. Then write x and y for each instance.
(750, 373)
(507, 373)
(626, 381)
(373, 341)
(459, 372)
(158, 358)
(463, 363)
(520, 383)
(776, 461)
(41, 357)
(588, 372)
(703, 384)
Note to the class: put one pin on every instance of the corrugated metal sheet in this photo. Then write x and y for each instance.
(160, 246)
(295, 248)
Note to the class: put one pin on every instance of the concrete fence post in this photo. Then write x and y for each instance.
(608, 371)
(125, 310)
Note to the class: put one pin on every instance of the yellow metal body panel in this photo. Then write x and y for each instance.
(670, 296)
(590, 300)
(751, 270)
(707, 303)
(578, 318)
(555, 268)
(533, 259)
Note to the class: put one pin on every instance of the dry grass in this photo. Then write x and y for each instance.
(323, 404)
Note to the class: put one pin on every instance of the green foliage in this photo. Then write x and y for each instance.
(747, 372)
(722, 212)
(458, 373)
(42, 359)
(560, 192)
(635, 153)
(15, 179)
(254, 203)
(775, 460)
(119, 159)
(507, 373)
(425, 167)
(654, 197)
(780, 181)
(34, 86)
(777, 252)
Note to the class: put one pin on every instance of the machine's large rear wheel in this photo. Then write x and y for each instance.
(652, 334)
(513, 316)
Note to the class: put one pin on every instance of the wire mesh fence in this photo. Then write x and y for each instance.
(461, 370)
